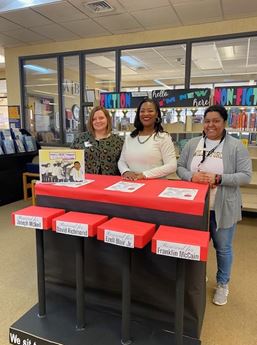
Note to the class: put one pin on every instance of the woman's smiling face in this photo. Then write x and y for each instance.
(213, 125)
(148, 115)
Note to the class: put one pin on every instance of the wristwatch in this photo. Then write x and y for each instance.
(218, 179)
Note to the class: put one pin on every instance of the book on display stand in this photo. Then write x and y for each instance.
(1, 150)
(29, 143)
(19, 145)
(5, 134)
(8, 146)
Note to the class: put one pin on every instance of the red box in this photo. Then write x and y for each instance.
(181, 243)
(36, 217)
(141, 232)
(78, 223)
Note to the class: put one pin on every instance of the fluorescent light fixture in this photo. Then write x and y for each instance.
(124, 70)
(18, 4)
(39, 69)
(2, 59)
(132, 61)
(248, 52)
(105, 82)
(229, 52)
(157, 81)
(206, 57)
(101, 61)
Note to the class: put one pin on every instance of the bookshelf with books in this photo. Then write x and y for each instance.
(13, 159)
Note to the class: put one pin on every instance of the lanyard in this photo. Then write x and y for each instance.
(212, 150)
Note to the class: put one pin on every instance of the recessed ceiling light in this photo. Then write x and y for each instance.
(18, 4)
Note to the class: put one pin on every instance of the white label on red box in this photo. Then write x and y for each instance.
(29, 221)
(178, 250)
(73, 229)
(119, 238)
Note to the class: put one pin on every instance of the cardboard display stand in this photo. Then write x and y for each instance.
(153, 277)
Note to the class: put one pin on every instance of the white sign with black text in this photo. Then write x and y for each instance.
(70, 228)
(29, 221)
(178, 250)
(119, 238)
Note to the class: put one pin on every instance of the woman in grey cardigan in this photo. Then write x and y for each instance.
(223, 162)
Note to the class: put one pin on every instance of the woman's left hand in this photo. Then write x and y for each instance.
(211, 179)
(140, 176)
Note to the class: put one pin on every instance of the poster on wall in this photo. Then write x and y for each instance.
(182, 98)
(245, 96)
(121, 100)
(62, 166)
(14, 116)
(4, 122)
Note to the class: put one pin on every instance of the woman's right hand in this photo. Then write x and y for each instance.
(129, 175)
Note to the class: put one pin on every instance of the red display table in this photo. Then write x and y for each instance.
(153, 277)
(144, 204)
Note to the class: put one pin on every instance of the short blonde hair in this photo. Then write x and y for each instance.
(91, 116)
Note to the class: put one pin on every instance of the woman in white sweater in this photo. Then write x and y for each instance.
(148, 152)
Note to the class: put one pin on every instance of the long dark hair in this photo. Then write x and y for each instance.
(138, 124)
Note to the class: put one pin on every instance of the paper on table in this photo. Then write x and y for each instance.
(179, 193)
(124, 186)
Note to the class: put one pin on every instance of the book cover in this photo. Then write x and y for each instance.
(8, 146)
(62, 166)
(29, 143)
(19, 145)
(16, 134)
(5, 134)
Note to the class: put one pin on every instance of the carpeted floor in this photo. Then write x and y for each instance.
(232, 324)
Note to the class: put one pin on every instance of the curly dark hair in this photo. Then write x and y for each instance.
(219, 109)
(138, 124)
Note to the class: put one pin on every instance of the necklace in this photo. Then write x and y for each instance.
(143, 141)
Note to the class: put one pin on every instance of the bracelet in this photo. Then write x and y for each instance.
(218, 179)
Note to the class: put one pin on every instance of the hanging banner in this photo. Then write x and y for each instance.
(121, 100)
(236, 96)
(182, 97)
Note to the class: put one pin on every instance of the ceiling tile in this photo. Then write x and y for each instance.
(239, 8)
(157, 18)
(6, 25)
(60, 12)
(6, 41)
(119, 23)
(86, 28)
(26, 35)
(56, 32)
(135, 5)
(27, 18)
(197, 12)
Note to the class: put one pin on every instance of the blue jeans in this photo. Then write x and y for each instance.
(222, 242)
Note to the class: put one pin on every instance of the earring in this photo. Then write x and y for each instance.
(157, 120)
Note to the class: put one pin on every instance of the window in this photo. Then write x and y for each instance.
(41, 99)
